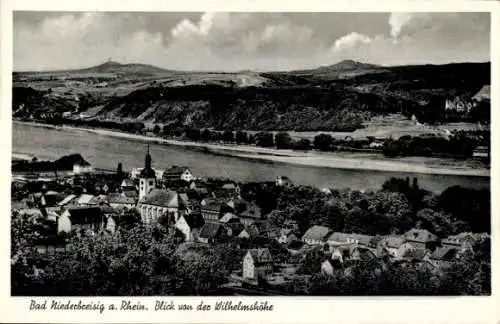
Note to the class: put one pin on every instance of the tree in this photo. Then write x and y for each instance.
(264, 139)
(228, 136)
(302, 144)
(282, 140)
(323, 142)
(206, 135)
(156, 129)
(241, 137)
(193, 134)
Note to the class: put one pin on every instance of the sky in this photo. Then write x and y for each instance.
(222, 41)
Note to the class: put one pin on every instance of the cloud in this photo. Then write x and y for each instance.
(237, 41)
(351, 40)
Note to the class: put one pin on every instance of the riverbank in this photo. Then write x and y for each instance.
(355, 161)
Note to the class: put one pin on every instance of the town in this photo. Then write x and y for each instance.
(80, 231)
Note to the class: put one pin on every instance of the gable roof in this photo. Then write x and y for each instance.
(85, 198)
(130, 194)
(162, 198)
(66, 200)
(261, 255)
(229, 186)
(228, 217)
(420, 235)
(210, 230)
(252, 211)
(127, 183)
(393, 241)
(212, 205)
(458, 239)
(317, 233)
(194, 220)
(236, 228)
(116, 198)
(484, 93)
(85, 215)
(444, 253)
(415, 254)
(175, 171)
(343, 237)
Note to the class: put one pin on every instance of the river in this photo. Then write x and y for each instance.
(106, 152)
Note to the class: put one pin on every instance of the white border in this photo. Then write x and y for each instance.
(287, 309)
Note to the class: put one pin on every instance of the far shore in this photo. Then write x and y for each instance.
(337, 160)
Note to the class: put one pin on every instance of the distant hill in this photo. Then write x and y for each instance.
(337, 97)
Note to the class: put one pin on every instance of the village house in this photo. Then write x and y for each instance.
(211, 232)
(257, 263)
(283, 181)
(158, 203)
(190, 225)
(250, 215)
(391, 245)
(422, 239)
(82, 200)
(120, 200)
(481, 152)
(316, 235)
(342, 238)
(443, 256)
(462, 241)
(128, 184)
(234, 229)
(329, 266)
(483, 94)
(85, 218)
(176, 173)
(212, 209)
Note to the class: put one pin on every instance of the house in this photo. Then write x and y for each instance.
(190, 225)
(390, 245)
(283, 181)
(160, 202)
(82, 200)
(230, 189)
(462, 241)
(211, 232)
(415, 255)
(329, 266)
(443, 256)
(235, 229)
(250, 215)
(421, 238)
(82, 167)
(248, 232)
(481, 152)
(316, 235)
(87, 218)
(128, 184)
(120, 200)
(342, 238)
(257, 263)
(177, 173)
(212, 209)
(483, 94)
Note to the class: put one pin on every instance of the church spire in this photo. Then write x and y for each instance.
(147, 164)
(148, 171)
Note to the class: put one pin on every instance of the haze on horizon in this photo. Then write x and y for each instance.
(246, 41)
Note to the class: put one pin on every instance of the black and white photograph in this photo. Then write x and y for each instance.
(170, 153)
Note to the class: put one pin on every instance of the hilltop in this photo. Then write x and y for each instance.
(338, 97)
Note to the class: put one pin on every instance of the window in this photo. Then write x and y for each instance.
(150, 182)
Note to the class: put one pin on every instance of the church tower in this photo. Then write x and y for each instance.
(147, 178)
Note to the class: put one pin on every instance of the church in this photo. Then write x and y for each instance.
(155, 203)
